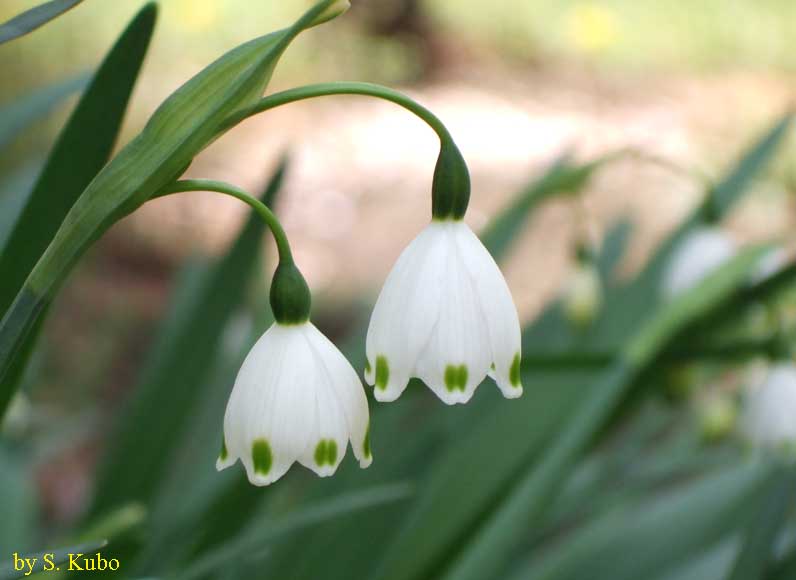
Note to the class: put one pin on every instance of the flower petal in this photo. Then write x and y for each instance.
(349, 393)
(497, 305)
(457, 357)
(405, 313)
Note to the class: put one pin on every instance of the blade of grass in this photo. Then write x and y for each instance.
(257, 538)
(83, 147)
(660, 531)
(762, 534)
(32, 19)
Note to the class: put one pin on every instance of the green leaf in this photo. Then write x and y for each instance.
(181, 127)
(487, 550)
(183, 356)
(561, 178)
(16, 116)
(34, 18)
(59, 556)
(82, 149)
(17, 503)
(613, 249)
(659, 532)
(259, 536)
(760, 539)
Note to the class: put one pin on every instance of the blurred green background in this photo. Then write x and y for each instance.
(118, 425)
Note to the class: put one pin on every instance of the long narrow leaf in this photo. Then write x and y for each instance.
(82, 149)
(258, 537)
(760, 539)
(34, 18)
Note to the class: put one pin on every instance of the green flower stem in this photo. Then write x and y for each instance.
(290, 296)
(451, 188)
(185, 185)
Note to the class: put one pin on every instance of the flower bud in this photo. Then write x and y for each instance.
(336, 9)
(583, 296)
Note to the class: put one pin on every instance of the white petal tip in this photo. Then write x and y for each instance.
(512, 392)
(364, 462)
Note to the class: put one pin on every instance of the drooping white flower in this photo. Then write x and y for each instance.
(583, 295)
(446, 316)
(296, 398)
(768, 418)
(697, 256)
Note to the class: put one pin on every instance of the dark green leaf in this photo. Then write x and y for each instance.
(82, 149)
(647, 537)
(257, 537)
(761, 537)
(34, 18)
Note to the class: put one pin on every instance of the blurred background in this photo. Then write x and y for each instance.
(677, 89)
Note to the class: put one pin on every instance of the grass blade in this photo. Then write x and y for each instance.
(82, 149)
(32, 19)
(257, 538)
(760, 538)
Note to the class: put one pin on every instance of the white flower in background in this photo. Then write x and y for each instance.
(296, 398)
(770, 264)
(698, 255)
(768, 418)
(446, 316)
(583, 295)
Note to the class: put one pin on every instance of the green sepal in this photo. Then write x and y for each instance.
(450, 191)
(290, 296)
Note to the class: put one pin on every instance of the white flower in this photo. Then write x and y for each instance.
(583, 295)
(296, 398)
(697, 256)
(445, 315)
(769, 413)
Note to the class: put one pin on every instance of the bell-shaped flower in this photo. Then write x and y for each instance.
(296, 398)
(446, 316)
(583, 295)
(768, 418)
(700, 253)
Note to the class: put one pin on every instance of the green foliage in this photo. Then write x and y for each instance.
(34, 18)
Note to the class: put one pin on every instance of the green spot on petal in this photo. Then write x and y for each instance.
(366, 442)
(514, 372)
(320, 453)
(331, 452)
(455, 377)
(224, 453)
(367, 366)
(326, 452)
(382, 372)
(462, 377)
(493, 366)
(262, 457)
